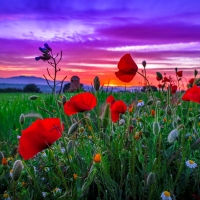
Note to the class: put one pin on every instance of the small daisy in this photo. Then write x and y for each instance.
(191, 164)
(121, 121)
(11, 172)
(6, 196)
(57, 191)
(140, 103)
(166, 196)
(44, 194)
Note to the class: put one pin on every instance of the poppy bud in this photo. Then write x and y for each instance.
(159, 75)
(156, 128)
(195, 72)
(64, 99)
(59, 102)
(33, 115)
(168, 110)
(149, 102)
(22, 119)
(33, 97)
(43, 50)
(151, 178)
(17, 170)
(70, 146)
(73, 128)
(48, 47)
(96, 83)
(144, 63)
(173, 135)
(1, 157)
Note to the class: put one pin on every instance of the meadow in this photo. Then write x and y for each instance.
(101, 145)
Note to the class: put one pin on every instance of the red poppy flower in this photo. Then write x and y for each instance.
(158, 78)
(80, 103)
(191, 80)
(127, 68)
(165, 80)
(159, 85)
(179, 73)
(110, 99)
(192, 94)
(40, 135)
(173, 89)
(118, 107)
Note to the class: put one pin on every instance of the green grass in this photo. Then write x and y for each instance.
(127, 157)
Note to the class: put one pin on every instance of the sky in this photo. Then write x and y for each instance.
(94, 34)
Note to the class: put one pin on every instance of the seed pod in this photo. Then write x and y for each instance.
(22, 119)
(73, 128)
(17, 169)
(156, 128)
(173, 135)
(96, 83)
(151, 178)
(33, 97)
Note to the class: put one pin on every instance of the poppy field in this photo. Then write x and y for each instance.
(102, 145)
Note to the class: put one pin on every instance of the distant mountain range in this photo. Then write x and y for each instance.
(21, 81)
(24, 80)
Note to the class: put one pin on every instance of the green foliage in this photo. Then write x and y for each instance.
(31, 88)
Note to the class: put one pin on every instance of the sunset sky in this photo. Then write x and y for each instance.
(94, 34)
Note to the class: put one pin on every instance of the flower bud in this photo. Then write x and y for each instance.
(156, 128)
(64, 99)
(43, 50)
(70, 146)
(73, 128)
(144, 63)
(33, 97)
(150, 102)
(22, 119)
(48, 47)
(151, 178)
(168, 110)
(173, 135)
(96, 83)
(17, 169)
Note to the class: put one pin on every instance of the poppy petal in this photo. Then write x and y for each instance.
(126, 63)
(192, 94)
(110, 99)
(80, 103)
(125, 77)
(39, 136)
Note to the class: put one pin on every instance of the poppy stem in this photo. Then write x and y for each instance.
(35, 182)
(148, 84)
(58, 169)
